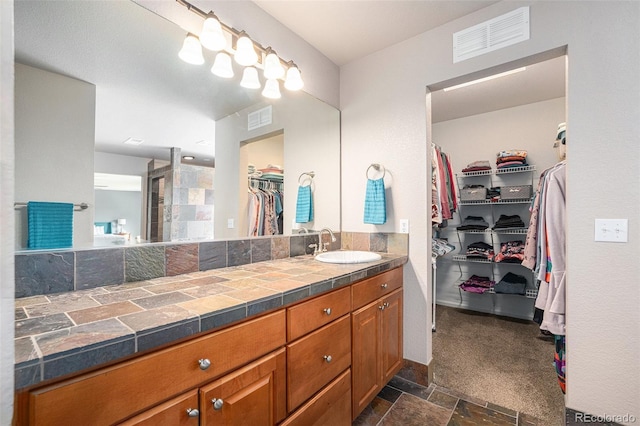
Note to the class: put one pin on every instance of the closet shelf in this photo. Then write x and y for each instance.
(509, 170)
(490, 202)
(511, 231)
(529, 294)
(464, 258)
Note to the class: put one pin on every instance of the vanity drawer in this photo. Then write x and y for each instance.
(116, 392)
(316, 359)
(373, 288)
(331, 406)
(308, 316)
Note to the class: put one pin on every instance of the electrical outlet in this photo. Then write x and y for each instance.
(612, 230)
(231, 223)
(404, 226)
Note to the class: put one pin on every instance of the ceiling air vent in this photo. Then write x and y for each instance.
(260, 118)
(494, 34)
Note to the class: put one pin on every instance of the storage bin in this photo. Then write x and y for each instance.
(521, 192)
(473, 194)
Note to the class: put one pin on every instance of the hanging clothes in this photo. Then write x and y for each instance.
(443, 192)
(265, 212)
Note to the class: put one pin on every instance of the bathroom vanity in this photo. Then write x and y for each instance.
(316, 360)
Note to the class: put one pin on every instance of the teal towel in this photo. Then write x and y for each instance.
(304, 205)
(50, 225)
(375, 206)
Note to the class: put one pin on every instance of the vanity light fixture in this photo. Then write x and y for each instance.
(272, 66)
(272, 89)
(212, 37)
(250, 78)
(222, 65)
(293, 81)
(246, 52)
(191, 51)
(481, 80)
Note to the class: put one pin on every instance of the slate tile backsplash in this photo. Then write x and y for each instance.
(41, 273)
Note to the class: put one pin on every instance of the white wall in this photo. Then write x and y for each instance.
(479, 137)
(311, 143)
(382, 99)
(55, 132)
(7, 291)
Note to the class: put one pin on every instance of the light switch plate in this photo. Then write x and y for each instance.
(612, 230)
(230, 223)
(404, 226)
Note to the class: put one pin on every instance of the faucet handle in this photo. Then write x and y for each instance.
(324, 246)
(315, 248)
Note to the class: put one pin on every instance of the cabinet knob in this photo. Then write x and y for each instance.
(381, 307)
(192, 412)
(327, 358)
(385, 304)
(385, 285)
(217, 403)
(327, 311)
(204, 363)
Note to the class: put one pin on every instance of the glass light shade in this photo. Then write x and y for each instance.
(191, 51)
(212, 36)
(293, 80)
(272, 67)
(245, 53)
(250, 78)
(222, 65)
(271, 89)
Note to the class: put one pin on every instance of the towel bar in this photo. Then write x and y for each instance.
(77, 207)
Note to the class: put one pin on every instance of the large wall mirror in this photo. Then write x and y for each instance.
(107, 114)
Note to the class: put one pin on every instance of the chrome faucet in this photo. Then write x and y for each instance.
(331, 236)
(303, 230)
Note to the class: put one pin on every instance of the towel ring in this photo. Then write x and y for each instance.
(376, 167)
(310, 175)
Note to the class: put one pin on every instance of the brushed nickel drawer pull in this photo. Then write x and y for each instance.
(193, 412)
(327, 311)
(385, 285)
(327, 358)
(217, 403)
(204, 364)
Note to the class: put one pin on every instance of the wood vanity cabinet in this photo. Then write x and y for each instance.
(376, 336)
(115, 393)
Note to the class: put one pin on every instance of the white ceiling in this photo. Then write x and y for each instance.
(141, 85)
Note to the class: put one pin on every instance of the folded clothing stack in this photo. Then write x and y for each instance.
(511, 158)
(511, 252)
(509, 222)
(473, 223)
(477, 284)
(480, 250)
(272, 172)
(511, 284)
(477, 166)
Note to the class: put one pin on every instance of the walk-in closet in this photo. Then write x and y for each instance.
(490, 144)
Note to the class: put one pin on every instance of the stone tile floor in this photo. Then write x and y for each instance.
(404, 403)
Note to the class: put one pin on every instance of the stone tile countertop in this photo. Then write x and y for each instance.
(60, 334)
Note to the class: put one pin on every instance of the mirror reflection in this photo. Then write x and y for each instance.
(102, 99)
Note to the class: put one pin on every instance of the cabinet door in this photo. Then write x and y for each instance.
(391, 341)
(253, 395)
(366, 362)
(180, 411)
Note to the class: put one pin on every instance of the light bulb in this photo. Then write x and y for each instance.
(293, 80)
(272, 66)
(250, 78)
(271, 89)
(245, 53)
(222, 65)
(212, 36)
(191, 51)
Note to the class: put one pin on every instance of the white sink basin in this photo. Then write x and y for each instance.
(348, 256)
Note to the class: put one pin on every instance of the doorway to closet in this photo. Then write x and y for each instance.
(485, 344)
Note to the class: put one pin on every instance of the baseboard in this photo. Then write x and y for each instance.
(416, 372)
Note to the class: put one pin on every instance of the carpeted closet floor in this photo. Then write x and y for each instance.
(504, 361)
